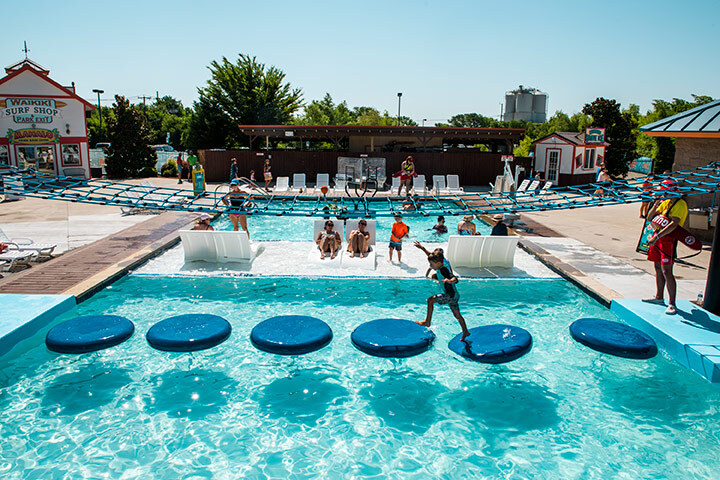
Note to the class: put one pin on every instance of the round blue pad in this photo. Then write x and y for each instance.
(392, 337)
(188, 333)
(89, 334)
(291, 335)
(613, 338)
(493, 344)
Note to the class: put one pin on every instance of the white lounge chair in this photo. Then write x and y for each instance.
(365, 263)
(453, 184)
(395, 184)
(480, 251)
(419, 186)
(282, 184)
(314, 255)
(533, 186)
(523, 185)
(216, 246)
(14, 257)
(339, 185)
(298, 183)
(322, 180)
(439, 185)
(12, 184)
(545, 188)
(28, 245)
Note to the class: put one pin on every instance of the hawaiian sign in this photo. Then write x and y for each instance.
(594, 135)
(33, 136)
(31, 110)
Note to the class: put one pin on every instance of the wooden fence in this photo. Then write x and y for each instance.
(474, 168)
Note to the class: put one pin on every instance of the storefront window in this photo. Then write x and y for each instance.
(71, 154)
(4, 158)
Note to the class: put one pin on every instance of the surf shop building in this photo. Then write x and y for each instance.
(42, 123)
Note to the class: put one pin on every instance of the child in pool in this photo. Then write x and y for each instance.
(440, 227)
(450, 296)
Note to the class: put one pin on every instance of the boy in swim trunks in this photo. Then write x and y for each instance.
(398, 232)
(450, 296)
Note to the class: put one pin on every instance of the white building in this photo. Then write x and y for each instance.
(42, 123)
(570, 158)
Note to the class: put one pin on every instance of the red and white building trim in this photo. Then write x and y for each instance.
(42, 123)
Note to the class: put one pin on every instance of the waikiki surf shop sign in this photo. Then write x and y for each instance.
(594, 135)
(33, 136)
(31, 110)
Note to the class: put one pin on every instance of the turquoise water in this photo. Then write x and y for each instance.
(300, 229)
(562, 411)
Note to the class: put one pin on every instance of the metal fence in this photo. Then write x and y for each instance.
(97, 158)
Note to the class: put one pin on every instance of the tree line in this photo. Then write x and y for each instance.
(246, 92)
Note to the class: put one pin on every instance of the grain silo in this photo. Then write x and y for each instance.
(529, 104)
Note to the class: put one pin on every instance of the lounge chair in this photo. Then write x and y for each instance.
(298, 183)
(28, 245)
(12, 184)
(395, 185)
(314, 255)
(216, 246)
(366, 263)
(439, 187)
(478, 251)
(523, 185)
(282, 184)
(533, 186)
(339, 185)
(322, 180)
(453, 184)
(419, 185)
(13, 257)
(545, 189)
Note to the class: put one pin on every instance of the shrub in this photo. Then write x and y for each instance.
(148, 172)
(169, 169)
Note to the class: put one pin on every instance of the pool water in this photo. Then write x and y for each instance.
(300, 229)
(561, 411)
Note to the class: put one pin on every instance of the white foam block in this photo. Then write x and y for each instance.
(314, 258)
(356, 262)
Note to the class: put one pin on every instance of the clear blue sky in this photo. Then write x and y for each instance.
(446, 57)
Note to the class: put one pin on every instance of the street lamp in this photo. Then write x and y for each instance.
(95, 90)
(424, 120)
(399, 97)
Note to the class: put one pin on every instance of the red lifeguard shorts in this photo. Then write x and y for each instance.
(662, 251)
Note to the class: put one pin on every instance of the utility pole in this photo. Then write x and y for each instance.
(98, 91)
(25, 49)
(144, 97)
(399, 97)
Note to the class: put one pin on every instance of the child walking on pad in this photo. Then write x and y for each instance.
(450, 296)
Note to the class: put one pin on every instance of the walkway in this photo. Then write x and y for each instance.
(82, 271)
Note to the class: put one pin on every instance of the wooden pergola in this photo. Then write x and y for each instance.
(337, 133)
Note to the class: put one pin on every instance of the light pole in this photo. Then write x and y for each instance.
(424, 120)
(399, 97)
(95, 90)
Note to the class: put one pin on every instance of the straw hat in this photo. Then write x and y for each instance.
(498, 217)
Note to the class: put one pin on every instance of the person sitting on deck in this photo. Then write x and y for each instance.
(328, 240)
(204, 223)
(467, 227)
(500, 229)
(358, 240)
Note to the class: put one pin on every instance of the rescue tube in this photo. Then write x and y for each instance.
(613, 338)
(188, 333)
(392, 337)
(291, 335)
(89, 334)
(493, 344)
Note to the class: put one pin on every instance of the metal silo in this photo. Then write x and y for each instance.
(528, 104)
(539, 111)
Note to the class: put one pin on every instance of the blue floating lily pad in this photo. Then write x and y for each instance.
(493, 344)
(188, 333)
(392, 337)
(89, 334)
(291, 335)
(613, 338)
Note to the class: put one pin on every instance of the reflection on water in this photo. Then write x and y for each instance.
(87, 389)
(193, 394)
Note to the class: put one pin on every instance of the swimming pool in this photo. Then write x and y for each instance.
(562, 411)
(300, 229)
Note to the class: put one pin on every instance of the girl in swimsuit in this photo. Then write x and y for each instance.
(237, 200)
(328, 240)
(466, 227)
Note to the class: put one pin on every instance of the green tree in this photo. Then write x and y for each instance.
(167, 115)
(130, 154)
(97, 130)
(208, 127)
(620, 133)
(325, 112)
(243, 93)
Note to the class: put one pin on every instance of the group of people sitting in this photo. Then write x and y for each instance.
(329, 241)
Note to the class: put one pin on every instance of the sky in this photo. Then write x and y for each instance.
(446, 57)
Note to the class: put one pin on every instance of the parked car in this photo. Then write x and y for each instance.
(163, 148)
(103, 145)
